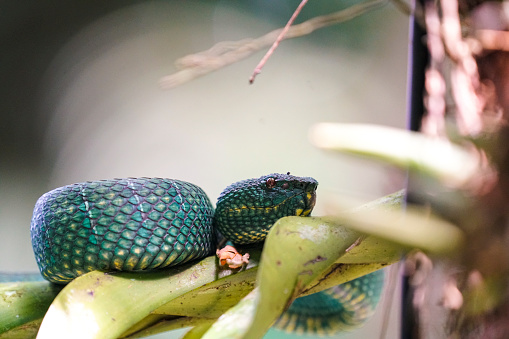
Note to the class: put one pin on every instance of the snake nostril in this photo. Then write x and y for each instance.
(310, 187)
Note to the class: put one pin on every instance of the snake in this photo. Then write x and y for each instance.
(141, 224)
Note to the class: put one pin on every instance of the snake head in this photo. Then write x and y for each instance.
(246, 210)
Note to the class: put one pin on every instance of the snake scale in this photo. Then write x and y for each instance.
(148, 223)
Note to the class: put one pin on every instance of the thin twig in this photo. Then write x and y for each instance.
(403, 6)
(258, 68)
(226, 53)
(493, 40)
(433, 123)
(464, 75)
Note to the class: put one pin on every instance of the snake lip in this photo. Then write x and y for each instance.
(312, 201)
(309, 199)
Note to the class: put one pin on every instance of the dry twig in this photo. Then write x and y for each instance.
(464, 75)
(226, 53)
(434, 123)
(493, 40)
(258, 68)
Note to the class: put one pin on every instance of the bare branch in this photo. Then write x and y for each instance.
(258, 68)
(226, 53)
(464, 75)
(433, 123)
(493, 40)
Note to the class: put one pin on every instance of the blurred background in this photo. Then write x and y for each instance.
(80, 101)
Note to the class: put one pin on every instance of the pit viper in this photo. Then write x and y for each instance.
(139, 224)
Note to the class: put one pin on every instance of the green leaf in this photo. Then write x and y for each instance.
(413, 228)
(233, 323)
(297, 253)
(198, 327)
(23, 305)
(100, 305)
(451, 164)
(301, 256)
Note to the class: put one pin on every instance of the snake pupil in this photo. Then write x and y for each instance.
(285, 185)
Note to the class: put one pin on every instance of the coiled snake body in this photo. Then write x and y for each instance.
(148, 223)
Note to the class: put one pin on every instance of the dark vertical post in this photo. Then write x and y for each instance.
(417, 62)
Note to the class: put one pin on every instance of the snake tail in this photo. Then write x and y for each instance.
(340, 308)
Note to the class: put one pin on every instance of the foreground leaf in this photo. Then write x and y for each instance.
(99, 305)
(23, 305)
(297, 253)
(441, 159)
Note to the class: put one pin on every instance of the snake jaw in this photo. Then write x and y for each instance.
(311, 201)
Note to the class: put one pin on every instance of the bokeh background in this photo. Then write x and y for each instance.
(79, 100)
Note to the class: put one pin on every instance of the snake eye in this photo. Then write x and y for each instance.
(271, 183)
(285, 185)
